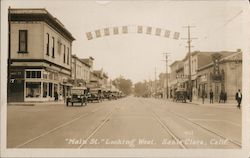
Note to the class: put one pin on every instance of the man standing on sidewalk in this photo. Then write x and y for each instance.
(238, 97)
(203, 95)
(211, 95)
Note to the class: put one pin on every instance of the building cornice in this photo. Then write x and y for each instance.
(40, 60)
(40, 15)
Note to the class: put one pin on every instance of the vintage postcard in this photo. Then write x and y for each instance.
(86, 78)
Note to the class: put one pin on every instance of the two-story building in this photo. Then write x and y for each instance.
(175, 76)
(40, 56)
(81, 70)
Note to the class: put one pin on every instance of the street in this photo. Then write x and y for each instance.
(130, 122)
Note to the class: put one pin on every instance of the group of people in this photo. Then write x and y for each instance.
(223, 97)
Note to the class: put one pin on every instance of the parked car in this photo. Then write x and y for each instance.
(77, 95)
(95, 94)
(180, 95)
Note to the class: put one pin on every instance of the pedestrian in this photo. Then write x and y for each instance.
(56, 96)
(225, 97)
(203, 95)
(211, 95)
(238, 97)
(221, 96)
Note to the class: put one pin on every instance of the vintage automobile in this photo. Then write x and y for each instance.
(180, 95)
(107, 95)
(77, 95)
(95, 94)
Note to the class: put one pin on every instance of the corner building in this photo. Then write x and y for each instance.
(40, 56)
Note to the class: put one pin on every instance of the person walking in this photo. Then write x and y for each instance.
(225, 97)
(238, 97)
(203, 95)
(221, 96)
(211, 95)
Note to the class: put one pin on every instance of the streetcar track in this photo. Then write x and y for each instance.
(235, 142)
(168, 130)
(58, 127)
(107, 118)
(177, 139)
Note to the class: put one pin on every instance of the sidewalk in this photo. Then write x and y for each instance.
(228, 104)
(35, 103)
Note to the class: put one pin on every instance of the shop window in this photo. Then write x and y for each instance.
(55, 89)
(50, 89)
(33, 89)
(45, 90)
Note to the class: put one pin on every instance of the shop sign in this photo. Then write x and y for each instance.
(17, 74)
(203, 78)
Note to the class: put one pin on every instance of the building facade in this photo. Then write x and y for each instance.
(222, 74)
(39, 57)
(80, 71)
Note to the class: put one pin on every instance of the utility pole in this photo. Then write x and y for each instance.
(167, 79)
(189, 40)
(155, 83)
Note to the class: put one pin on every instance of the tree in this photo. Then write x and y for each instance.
(141, 89)
(124, 85)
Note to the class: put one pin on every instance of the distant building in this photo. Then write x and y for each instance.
(98, 78)
(81, 70)
(176, 76)
(222, 74)
(216, 71)
(40, 56)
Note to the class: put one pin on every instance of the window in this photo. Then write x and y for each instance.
(47, 44)
(45, 90)
(33, 89)
(33, 74)
(23, 41)
(50, 89)
(64, 55)
(68, 57)
(53, 47)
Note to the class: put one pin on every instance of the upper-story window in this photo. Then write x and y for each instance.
(23, 41)
(47, 51)
(67, 56)
(64, 54)
(53, 47)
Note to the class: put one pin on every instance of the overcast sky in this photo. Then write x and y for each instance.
(219, 26)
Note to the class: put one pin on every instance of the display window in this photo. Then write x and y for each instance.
(33, 89)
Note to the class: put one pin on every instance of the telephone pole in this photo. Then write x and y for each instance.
(189, 40)
(167, 79)
(155, 83)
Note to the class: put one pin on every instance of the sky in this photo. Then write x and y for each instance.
(218, 26)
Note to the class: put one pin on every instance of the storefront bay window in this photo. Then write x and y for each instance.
(33, 89)
(45, 90)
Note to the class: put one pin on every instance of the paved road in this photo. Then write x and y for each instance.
(125, 123)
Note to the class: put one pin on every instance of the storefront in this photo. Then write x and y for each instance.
(40, 85)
